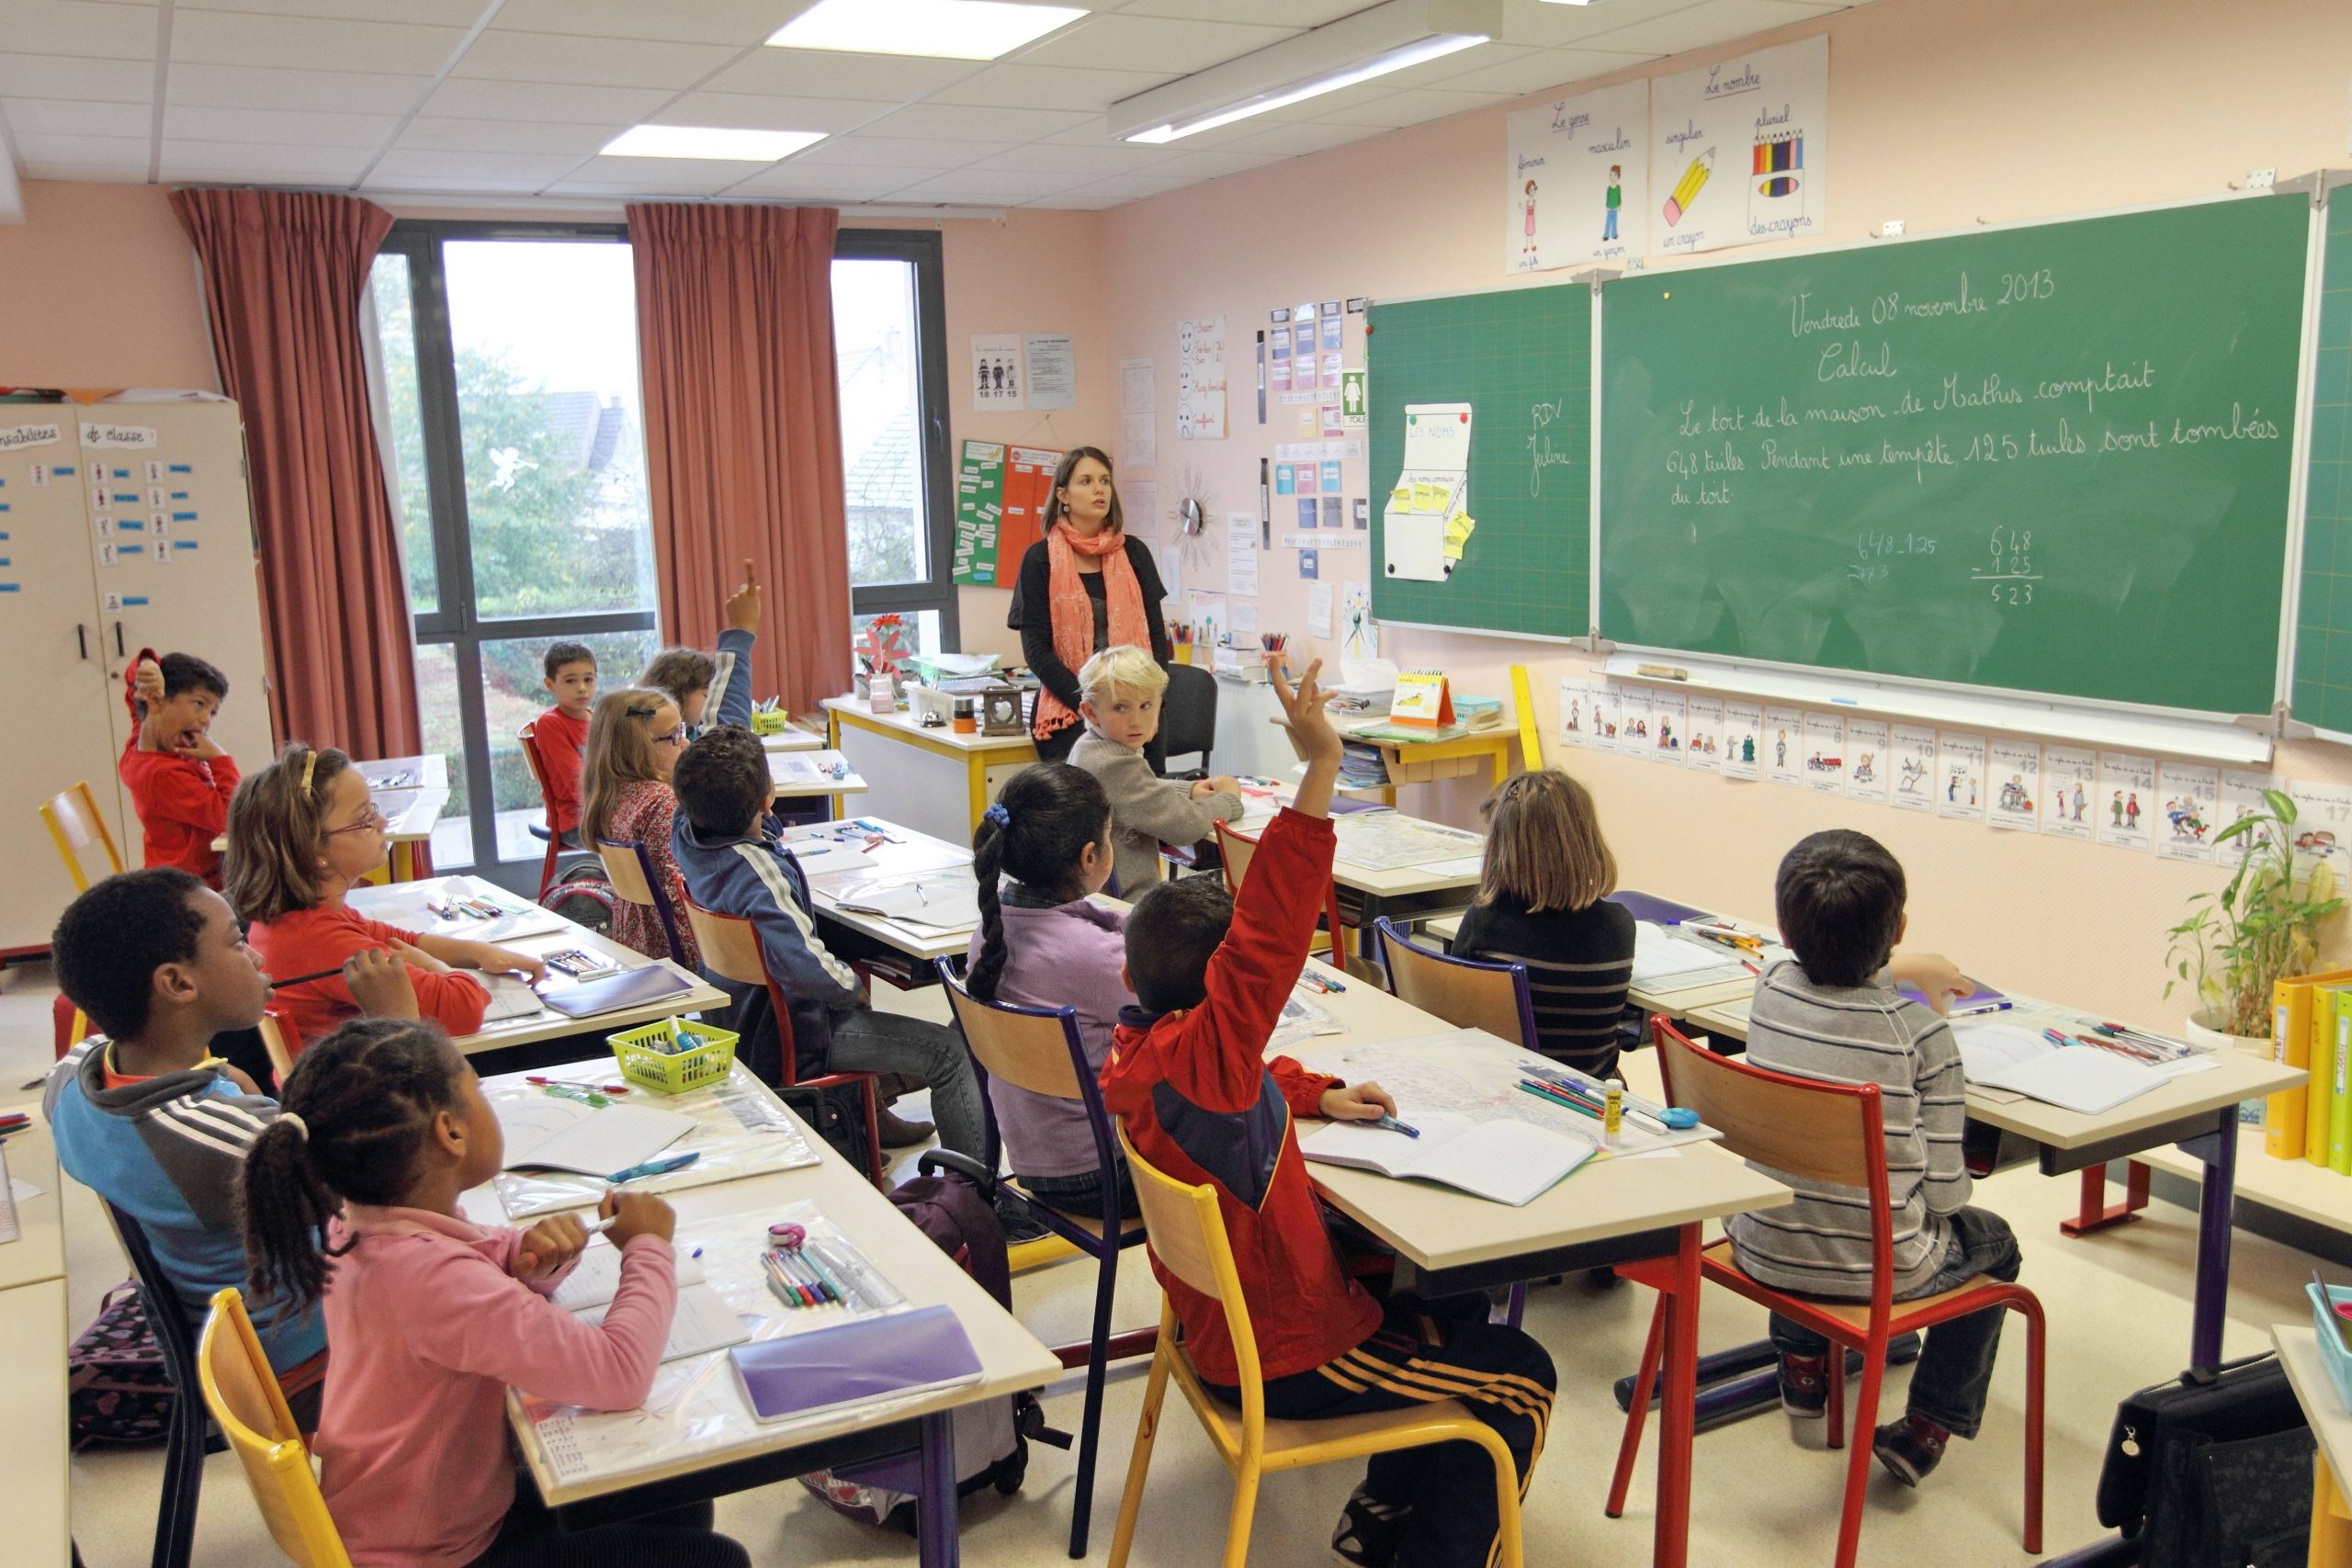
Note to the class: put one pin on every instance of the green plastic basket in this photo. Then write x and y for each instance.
(702, 1064)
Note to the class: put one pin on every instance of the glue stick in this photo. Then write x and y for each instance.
(1612, 1111)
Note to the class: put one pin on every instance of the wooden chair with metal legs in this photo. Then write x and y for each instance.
(730, 950)
(1039, 1050)
(283, 1042)
(1833, 1133)
(1188, 1238)
(635, 881)
(1236, 849)
(530, 735)
(74, 826)
(243, 1395)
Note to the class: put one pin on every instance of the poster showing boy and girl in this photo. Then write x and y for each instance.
(1579, 180)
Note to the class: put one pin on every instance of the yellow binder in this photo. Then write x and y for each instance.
(2285, 1117)
(2319, 1098)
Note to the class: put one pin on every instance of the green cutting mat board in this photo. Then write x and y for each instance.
(1522, 359)
(2052, 459)
(2322, 687)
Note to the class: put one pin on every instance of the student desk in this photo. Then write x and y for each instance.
(929, 777)
(1611, 1211)
(2330, 1544)
(1403, 892)
(1676, 1003)
(904, 853)
(409, 810)
(792, 737)
(37, 1255)
(1012, 1359)
(1493, 744)
(554, 935)
(33, 1440)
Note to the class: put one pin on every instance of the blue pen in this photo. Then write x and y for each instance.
(1391, 1124)
(655, 1168)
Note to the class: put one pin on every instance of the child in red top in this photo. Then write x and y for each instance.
(179, 781)
(561, 733)
(302, 833)
(1189, 1080)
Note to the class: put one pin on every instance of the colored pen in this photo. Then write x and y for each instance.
(790, 1293)
(1547, 1097)
(810, 1277)
(1393, 1125)
(655, 1166)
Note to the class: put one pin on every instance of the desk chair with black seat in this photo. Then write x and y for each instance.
(1187, 729)
(184, 1445)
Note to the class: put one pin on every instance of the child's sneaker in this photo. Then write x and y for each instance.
(1370, 1530)
(1909, 1447)
(1805, 1386)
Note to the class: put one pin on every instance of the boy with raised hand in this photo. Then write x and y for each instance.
(147, 1116)
(1123, 688)
(562, 732)
(179, 780)
(1189, 1080)
(714, 689)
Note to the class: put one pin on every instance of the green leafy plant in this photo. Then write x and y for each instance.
(2260, 927)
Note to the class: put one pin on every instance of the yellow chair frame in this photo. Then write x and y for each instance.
(73, 819)
(1188, 1239)
(243, 1395)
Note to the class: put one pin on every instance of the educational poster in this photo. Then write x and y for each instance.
(2013, 786)
(1575, 712)
(1866, 760)
(1240, 555)
(1318, 609)
(1739, 150)
(2242, 797)
(1138, 433)
(1051, 360)
(996, 372)
(1425, 520)
(1704, 751)
(2191, 793)
(1825, 753)
(2322, 827)
(1670, 718)
(1358, 632)
(1206, 611)
(1743, 740)
(1912, 750)
(1355, 400)
(1608, 716)
(1783, 744)
(1200, 379)
(2069, 792)
(1637, 713)
(1278, 359)
(1577, 186)
(979, 509)
(2126, 803)
(1959, 776)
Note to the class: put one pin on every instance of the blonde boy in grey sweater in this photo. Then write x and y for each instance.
(1123, 687)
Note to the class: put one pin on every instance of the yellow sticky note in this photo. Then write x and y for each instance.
(1402, 496)
(1428, 497)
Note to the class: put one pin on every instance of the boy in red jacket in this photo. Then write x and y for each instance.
(1189, 1080)
(179, 781)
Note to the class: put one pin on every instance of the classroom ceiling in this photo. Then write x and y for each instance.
(483, 99)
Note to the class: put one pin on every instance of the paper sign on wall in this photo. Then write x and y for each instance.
(1051, 359)
(1428, 501)
(1825, 745)
(2013, 786)
(1867, 765)
(2191, 795)
(1913, 750)
(996, 372)
(2127, 799)
(1739, 150)
(1577, 190)
(2069, 792)
(1742, 738)
(1960, 777)
(1704, 749)
(1200, 379)
(1784, 745)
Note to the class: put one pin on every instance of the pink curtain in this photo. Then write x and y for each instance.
(284, 276)
(742, 430)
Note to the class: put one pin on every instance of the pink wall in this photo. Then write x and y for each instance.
(101, 291)
(1943, 112)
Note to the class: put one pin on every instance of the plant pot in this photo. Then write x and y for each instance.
(2206, 1038)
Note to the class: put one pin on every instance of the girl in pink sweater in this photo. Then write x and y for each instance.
(432, 1317)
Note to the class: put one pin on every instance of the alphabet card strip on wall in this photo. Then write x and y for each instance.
(2013, 786)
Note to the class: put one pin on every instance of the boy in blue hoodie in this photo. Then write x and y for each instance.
(150, 1119)
(726, 848)
(712, 689)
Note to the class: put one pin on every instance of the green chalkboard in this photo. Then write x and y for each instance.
(2054, 458)
(1522, 359)
(2323, 686)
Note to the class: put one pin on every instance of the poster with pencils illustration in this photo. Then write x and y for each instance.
(1912, 748)
(1868, 767)
(1739, 150)
(1743, 740)
(2069, 792)
(1824, 747)
(2185, 823)
(1704, 749)
(2125, 805)
(2013, 786)
(2242, 797)
(1959, 776)
(1669, 725)
(1577, 190)
(1782, 746)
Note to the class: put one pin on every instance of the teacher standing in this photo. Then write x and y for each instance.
(1084, 587)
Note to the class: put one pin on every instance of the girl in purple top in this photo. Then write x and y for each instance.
(1043, 849)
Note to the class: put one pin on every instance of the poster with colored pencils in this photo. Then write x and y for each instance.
(1739, 150)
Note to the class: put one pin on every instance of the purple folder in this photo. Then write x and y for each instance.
(872, 1357)
(1651, 907)
(1984, 999)
(647, 982)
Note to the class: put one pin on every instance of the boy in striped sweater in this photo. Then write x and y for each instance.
(1833, 1013)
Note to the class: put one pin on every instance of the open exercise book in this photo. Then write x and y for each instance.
(2082, 1078)
(550, 1132)
(703, 1323)
(1506, 1162)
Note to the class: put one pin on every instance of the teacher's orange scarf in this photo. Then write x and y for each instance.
(1073, 613)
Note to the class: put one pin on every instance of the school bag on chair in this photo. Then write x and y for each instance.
(947, 1203)
(2211, 1469)
(581, 893)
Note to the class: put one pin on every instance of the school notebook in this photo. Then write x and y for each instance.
(630, 987)
(550, 1132)
(702, 1323)
(1503, 1162)
(596, 1277)
(2082, 1078)
(806, 1375)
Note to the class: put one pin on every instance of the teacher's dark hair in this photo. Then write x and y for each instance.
(1116, 522)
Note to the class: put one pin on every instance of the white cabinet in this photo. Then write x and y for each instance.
(122, 525)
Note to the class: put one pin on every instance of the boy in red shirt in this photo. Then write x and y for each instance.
(1189, 1080)
(562, 732)
(179, 781)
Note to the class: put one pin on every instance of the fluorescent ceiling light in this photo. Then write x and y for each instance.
(1355, 48)
(709, 141)
(951, 29)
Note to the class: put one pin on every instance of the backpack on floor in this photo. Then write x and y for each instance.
(119, 1393)
(836, 1113)
(2211, 1469)
(582, 893)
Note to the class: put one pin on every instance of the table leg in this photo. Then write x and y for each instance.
(1675, 1417)
(404, 863)
(2095, 1213)
(2219, 1150)
(976, 777)
(935, 1516)
(1501, 764)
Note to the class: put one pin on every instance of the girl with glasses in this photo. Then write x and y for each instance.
(634, 739)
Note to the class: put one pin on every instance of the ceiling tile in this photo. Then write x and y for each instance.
(899, 152)
(260, 160)
(237, 38)
(739, 22)
(704, 177)
(530, 170)
(262, 86)
(1049, 87)
(827, 74)
(464, 100)
(1127, 187)
(985, 185)
(1295, 140)
(504, 136)
(46, 147)
(72, 76)
(188, 122)
(1071, 203)
(382, 183)
(924, 120)
(79, 27)
(444, 13)
(1272, 13)
(596, 62)
(87, 174)
(1122, 42)
(1051, 158)
(1704, 26)
(829, 181)
(1215, 164)
(62, 117)
(750, 111)
(1376, 104)
(1534, 23)
(1541, 70)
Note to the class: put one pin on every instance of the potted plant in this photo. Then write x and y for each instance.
(2260, 927)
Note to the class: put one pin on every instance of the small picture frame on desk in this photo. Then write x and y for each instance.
(1001, 711)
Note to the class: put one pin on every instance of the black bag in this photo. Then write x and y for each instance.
(836, 1113)
(119, 1393)
(2213, 1469)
